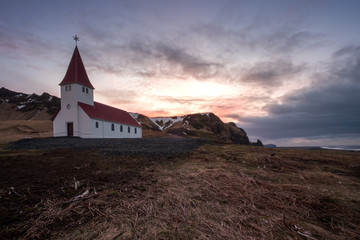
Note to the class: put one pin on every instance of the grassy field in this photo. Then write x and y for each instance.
(17, 129)
(213, 192)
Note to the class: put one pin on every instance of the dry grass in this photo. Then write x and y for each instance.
(18, 129)
(217, 192)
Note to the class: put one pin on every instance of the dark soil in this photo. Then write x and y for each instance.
(152, 147)
(67, 188)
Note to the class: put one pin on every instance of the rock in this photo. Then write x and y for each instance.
(258, 143)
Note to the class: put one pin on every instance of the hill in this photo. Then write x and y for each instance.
(199, 125)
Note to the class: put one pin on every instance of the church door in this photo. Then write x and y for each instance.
(70, 129)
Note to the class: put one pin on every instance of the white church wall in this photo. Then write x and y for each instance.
(64, 116)
(85, 94)
(59, 126)
(115, 131)
(85, 127)
(98, 132)
(85, 130)
(73, 93)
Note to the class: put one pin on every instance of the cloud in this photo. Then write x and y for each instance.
(173, 59)
(346, 51)
(19, 45)
(190, 64)
(152, 59)
(286, 40)
(271, 72)
(320, 111)
(118, 97)
(181, 100)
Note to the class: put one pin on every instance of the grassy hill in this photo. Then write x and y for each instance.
(213, 192)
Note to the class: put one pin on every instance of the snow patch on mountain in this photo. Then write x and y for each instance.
(203, 114)
(166, 122)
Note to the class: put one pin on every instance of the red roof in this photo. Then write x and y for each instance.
(76, 72)
(104, 112)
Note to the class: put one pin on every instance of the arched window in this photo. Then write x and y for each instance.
(87, 90)
(83, 89)
(97, 124)
(128, 129)
(135, 130)
(66, 88)
(121, 128)
(69, 87)
(112, 127)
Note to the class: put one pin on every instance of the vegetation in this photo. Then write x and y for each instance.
(213, 192)
(18, 129)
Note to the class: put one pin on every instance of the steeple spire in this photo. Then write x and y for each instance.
(76, 72)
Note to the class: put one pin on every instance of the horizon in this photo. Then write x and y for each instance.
(287, 72)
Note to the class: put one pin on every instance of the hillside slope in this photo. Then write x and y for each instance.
(21, 106)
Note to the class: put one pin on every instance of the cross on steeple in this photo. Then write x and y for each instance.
(76, 38)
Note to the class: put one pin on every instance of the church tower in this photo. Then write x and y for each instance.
(81, 116)
(75, 88)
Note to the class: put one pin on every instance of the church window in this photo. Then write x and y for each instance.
(121, 128)
(66, 89)
(69, 87)
(87, 90)
(128, 129)
(112, 127)
(135, 130)
(97, 124)
(83, 89)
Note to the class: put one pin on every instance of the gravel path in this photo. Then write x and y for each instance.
(149, 147)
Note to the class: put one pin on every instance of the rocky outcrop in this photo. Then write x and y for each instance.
(258, 143)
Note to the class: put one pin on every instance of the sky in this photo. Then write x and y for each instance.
(286, 71)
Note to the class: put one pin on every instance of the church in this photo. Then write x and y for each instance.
(81, 116)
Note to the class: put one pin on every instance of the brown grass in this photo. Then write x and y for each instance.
(18, 129)
(217, 192)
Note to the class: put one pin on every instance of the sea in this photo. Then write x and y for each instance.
(340, 147)
(346, 148)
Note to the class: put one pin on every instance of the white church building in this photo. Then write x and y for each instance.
(81, 116)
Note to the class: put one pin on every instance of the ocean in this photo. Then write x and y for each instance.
(340, 147)
(346, 148)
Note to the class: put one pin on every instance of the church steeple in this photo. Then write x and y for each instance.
(76, 72)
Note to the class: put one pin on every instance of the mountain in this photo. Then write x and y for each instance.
(201, 125)
(21, 106)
